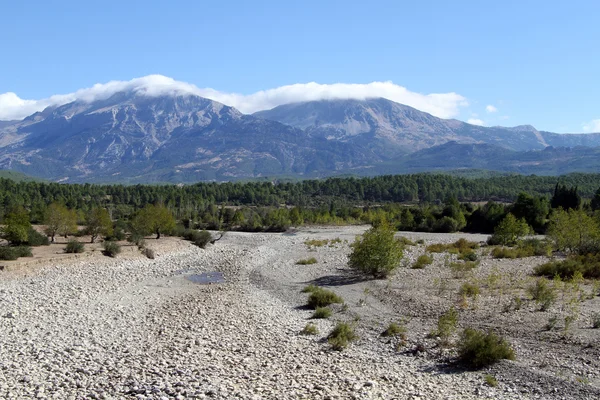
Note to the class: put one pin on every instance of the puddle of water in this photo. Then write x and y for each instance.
(206, 278)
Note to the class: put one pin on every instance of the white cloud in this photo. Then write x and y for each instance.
(491, 109)
(475, 121)
(443, 105)
(592, 126)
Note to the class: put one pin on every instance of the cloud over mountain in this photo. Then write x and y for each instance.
(443, 105)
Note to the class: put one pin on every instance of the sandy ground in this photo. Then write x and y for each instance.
(89, 326)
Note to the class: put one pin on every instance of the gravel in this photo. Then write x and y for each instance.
(103, 328)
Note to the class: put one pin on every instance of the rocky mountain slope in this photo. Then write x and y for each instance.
(132, 137)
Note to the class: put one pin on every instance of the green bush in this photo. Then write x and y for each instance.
(310, 288)
(202, 238)
(320, 297)
(9, 253)
(341, 336)
(543, 293)
(490, 380)
(322, 313)
(469, 289)
(587, 265)
(460, 269)
(73, 246)
(406, 241)
(468, 256)
(478, 349)
(446, 325)
(461, 246)
(376, 252)
(422, 261)
(111, 248)
(535, 247)
(310, 329)
(394, 329)
(307, 261)
(509, 231)
(34, 238)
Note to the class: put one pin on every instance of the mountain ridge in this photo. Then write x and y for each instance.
(132, 137)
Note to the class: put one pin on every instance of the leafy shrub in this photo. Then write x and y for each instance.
(587, 265)
(9, 253)
(394, 329)
(490, 380)
(376, 252)
(341, 336)
(316, 242)
(446, 325)
(479, 349)
(307, 261)
(509, 231)
(422, 261)
(460, 269)
(111, 248)
(137, 239)
(461, 246)
(436, 248)
(322, 313)
(199, 238)
(535, 247)
(468, 256)
(320, 297)
(542, 293)
(310, 288)
(73, 246)
(34, 238)
(503, 252)
(310, 329)
(469, 289)
(406, 241)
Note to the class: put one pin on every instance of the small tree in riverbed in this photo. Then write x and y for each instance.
(377, 252)
(153, 219)
(98, 223)
(59, 220)
(16, 226)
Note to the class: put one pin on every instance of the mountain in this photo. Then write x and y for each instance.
(177, 138)
(390, 127)
(133, 137)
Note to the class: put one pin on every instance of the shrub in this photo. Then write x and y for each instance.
(446, 325)
(376, 253)
(596, 320)
(310, 288)
(307, 261)
(587, 265)
(504, 252)
(320, 297)
(9, 253)
(479, 349)
(34, 238)
(509, 231)
(422, 261)
(394, 329)
(469, 290)
(137, 239)
(322, 313)
(199, 238)
(460, 269)
(310, 329)
(535, 247)
(490, 380)
(468, 256)
(111, 248)
(341, 335)
(316, 242)
(436, 248)
(149, 253)
(542, 293)
(73, 246)
(406, 241)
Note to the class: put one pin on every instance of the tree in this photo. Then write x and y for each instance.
(510, 230)
(565, 198)
(59, 220)
(153, 219)
(574, 231)
(377, 252)
(595, 203)
(533, 209)
(98, 223)
(17, 226)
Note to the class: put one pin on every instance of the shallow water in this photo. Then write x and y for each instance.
(206, 278)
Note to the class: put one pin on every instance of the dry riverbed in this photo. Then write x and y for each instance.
(131, 327)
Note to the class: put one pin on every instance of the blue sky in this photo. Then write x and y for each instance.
(535, 62)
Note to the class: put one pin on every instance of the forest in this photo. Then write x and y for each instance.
(420, 202)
